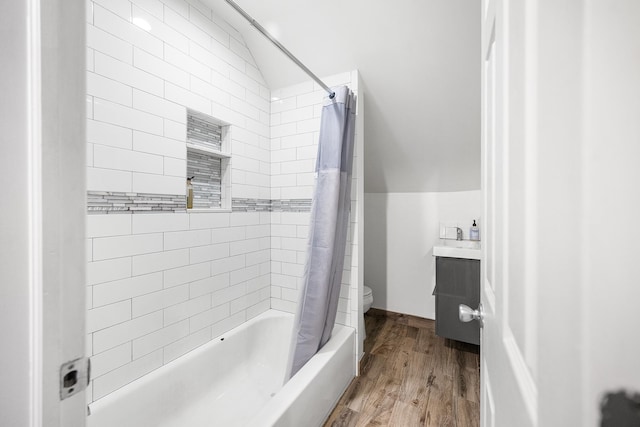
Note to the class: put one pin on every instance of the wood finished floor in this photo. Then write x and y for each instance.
(411, 377)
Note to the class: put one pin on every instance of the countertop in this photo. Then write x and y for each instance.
(466, 249)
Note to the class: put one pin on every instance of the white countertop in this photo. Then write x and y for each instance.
(466, 249)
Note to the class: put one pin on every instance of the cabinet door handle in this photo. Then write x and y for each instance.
(467, 314)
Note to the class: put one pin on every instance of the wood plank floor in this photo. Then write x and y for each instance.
(411, 377)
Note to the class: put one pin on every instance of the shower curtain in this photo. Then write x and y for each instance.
(318, 304)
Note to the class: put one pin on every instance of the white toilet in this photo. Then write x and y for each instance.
(367, 299)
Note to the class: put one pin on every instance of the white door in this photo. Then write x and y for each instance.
(561, 178)
(42, 244)
(508, 390)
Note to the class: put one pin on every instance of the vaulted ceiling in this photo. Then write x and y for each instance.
(419, 61)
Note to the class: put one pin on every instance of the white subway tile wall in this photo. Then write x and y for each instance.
(147, 62)
(160, 285)
(295, 118)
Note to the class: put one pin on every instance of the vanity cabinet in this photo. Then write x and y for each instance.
(457, 282)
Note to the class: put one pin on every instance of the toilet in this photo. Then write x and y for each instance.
(367, 299)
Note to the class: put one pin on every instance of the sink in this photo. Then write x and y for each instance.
(467, 249)
(462, 244)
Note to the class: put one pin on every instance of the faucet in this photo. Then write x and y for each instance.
(458, 233)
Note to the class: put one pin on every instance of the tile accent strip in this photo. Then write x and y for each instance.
(291, 205)
(251, 205)
(101, 202)
(274, 205)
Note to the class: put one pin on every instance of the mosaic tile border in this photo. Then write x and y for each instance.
(251, 205)
(274, 205)
(291, 205)
(110, 202)
(99, 202)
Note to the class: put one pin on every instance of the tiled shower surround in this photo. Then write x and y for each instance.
(162, 283)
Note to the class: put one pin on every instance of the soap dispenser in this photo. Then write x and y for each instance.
(474, 231)
(190, 193)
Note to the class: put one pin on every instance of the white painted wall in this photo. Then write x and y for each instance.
(63, 203)
(400, 232)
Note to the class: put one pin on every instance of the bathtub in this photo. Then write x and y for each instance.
(236, 380)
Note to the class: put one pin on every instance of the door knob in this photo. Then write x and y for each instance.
(467, 314)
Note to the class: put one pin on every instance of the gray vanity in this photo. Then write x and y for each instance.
(457, 282)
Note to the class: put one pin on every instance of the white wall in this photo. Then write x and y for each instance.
(160, 285)
(400, 232)
(63, 202)
(295, 119)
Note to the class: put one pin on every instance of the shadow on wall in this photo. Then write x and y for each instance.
(375, 248)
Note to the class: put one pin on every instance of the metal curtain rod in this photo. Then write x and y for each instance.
(280, 46)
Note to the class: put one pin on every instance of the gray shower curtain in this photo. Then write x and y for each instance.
(318, 304)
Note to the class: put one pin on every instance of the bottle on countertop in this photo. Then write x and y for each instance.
(474, 231)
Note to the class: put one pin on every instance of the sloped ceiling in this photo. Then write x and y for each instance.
(419, 62)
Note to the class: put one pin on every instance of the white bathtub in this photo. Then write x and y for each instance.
(236, 380)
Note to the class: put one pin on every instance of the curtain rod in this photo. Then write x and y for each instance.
(284, 50)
